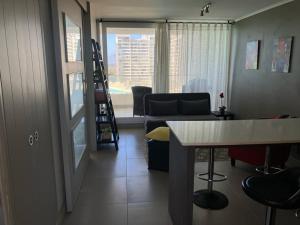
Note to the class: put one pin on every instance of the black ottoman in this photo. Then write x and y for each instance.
(158, 155)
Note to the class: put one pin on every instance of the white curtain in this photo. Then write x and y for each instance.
(199, 59)
(161, 59)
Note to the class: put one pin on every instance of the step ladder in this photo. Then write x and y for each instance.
(105, 115)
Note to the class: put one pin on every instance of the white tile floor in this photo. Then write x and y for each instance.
(119, 190)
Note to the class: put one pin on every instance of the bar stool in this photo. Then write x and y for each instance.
(208, 198)
(276, 191)
(267, 168)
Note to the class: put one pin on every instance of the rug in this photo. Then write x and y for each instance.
(202, 155)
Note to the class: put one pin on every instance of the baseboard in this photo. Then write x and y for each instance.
(131, 122)
(130, 125)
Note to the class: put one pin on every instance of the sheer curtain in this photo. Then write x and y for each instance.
(161, 59)
(199, 59)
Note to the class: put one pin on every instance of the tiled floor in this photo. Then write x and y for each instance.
(119, 190)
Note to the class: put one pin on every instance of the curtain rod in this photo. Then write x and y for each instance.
(161, 20)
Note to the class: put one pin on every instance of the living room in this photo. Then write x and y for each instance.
(228, 49)
(194, 103)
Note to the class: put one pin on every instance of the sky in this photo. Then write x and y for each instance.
(111, 48)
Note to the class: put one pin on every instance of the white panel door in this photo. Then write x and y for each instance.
(68, 16)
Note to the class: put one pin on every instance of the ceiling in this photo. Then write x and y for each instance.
(178, 9)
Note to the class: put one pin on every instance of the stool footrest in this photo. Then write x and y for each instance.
(221, 178)
(272, 170)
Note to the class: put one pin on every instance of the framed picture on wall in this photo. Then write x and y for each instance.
(72, 37)
(252, 55)
(282, 50)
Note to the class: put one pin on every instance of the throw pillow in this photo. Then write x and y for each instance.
(163, 108)
(159, 134)
(195, 107)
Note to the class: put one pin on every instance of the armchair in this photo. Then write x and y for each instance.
(138, 93)
(255, 155)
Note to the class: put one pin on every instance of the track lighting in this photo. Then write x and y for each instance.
(205, 8)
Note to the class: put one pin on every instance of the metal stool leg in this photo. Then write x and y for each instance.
(210, 199)
(211, 164)
(270, 216)
(267, 168)
(297, 213)
(270, 212)
(267, 160)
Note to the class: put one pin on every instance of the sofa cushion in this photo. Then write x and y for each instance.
(159, 134)
(194, 107)
(163, 108)
(154, 119)
(174, 96)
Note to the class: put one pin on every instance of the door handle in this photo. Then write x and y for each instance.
(30, 140)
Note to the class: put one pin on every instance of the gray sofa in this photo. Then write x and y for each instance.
(160, 108)
(177, 107)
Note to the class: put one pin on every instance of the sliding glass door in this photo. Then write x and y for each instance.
(129, 56)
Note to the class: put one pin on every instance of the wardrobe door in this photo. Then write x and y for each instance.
(43, 168)
(26, 114)
(16, 115)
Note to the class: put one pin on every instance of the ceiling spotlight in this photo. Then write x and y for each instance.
(205, 8)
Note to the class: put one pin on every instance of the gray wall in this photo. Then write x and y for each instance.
(262, 93)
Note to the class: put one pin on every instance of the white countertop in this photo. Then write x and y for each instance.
(236, 132)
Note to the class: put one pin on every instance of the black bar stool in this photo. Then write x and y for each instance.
(208, 198)
(277, 191)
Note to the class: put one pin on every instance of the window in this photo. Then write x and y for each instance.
(73, 40)
(75, 85)
(199, 58)
(79, 141)
(130, 61)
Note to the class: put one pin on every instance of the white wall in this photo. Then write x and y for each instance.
(93, 21)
